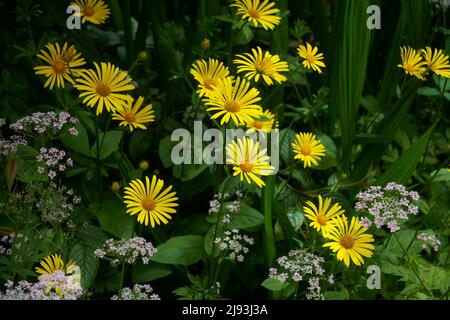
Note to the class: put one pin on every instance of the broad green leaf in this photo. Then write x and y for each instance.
(79, 143)
(404, 167)
(165, 150)
(247, 217)
(145, 273)
(183, 250)
(273, 284)
(85, 258)
(109, 142)
(93, 235)
(114, 219)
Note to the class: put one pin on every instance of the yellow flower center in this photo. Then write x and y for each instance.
(246, 166)
(347, 241)
(322, 220)
(209, 83)
(68, 55)
(305, 150)
(232, 106)
(258, 124)
(103, 90)
(89, 11)
(59, 67)
(130, 117)
(261, 67)
(253, 13)
(310, 57)
(148, 204)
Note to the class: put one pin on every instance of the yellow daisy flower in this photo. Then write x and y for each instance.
(62, 65)
(263, 123)
(101, 87)
(308, 149)
(321, 217)
(437, 61)
(258, 12)
(149, 202)
(312, 59)
(208, 74)
(54, 262)
(264, 65)
(130, 115)
(412, 62)
(350, 242)
(249, 161)
(234, 101)
(94, 11)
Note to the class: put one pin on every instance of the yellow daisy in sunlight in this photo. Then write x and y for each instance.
(308, 149)
(437, 61)
(350, 242)
(94, 11)
(150, 201)
(265, 65)
(236, 101)
(101, 87)
(263, 123)
(321, 217)
(312, 59)
(54, 262)
(130, 115)
(63, 64)
(258, 12)
(208, 74)
(412, 62)
(249, 161)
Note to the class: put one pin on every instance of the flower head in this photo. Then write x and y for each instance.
(208, 74)
(308, 149)
(412, 62)
(149, 201)
(258, 65)
(63, 64)
(236, 101)
(350, 242)
(437, 61)
(93, 11)
(258, 12)
(312, 59)
(53, 263)
(263, 123)
(248, 160)
(321, 217)
(130, 115)
(101, 87)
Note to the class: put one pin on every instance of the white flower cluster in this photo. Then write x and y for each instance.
(429, 241)
(6, 244)
(231, 207)
(126, 251)
(138, 292)
(299, 266)
(54, 286)
(46, 123)
(234, 245)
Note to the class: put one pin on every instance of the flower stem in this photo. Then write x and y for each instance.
(269, 240)
(122, 275)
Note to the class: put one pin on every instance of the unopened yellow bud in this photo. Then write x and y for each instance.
(206, 44)
(143, 165)
(115, 186)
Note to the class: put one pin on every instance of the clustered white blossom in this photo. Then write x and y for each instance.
(6, 243)
(230, 207)
(54, 286)
(56, 204)
(138, 292)
(234, 245)
(8, 146)
(48, 123)
(126, 251)
(441, 3)
(301, 266)
(429, 241)
(52, 160)
(387, 206)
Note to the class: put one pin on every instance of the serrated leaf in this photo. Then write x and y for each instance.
(85, 258)
(183, 250)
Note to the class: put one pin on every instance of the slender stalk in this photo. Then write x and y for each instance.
(122, 275)
(269, 240)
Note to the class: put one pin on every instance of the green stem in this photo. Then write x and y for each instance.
(122, 275)
(269, 240)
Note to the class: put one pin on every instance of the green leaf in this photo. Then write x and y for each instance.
(93, 235)
(286, 151)
(442, 175)
(247, 217)
(184, 250)
(165, 151)
(113, 218)
(109, 143)
(273, 284)
(85, 258)
(330, 158)
(428, 91)
(79, 143)
(401, 170)
(145, 273)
